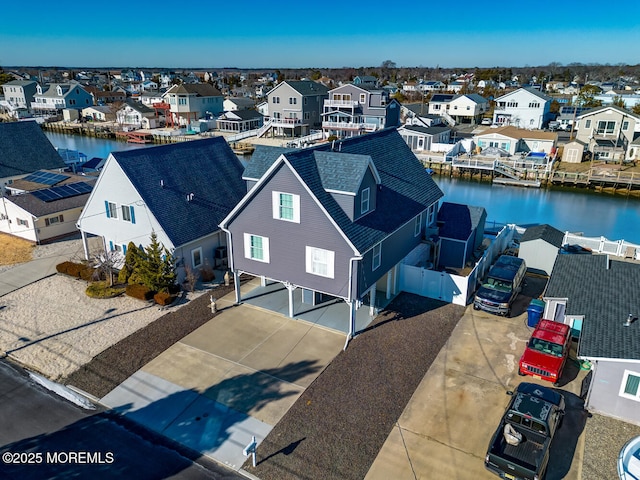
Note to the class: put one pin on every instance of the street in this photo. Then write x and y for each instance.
(44, 436)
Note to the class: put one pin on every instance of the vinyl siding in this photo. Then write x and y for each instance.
(287, 257)
(605, 389)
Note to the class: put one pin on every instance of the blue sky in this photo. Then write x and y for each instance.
(251, 34)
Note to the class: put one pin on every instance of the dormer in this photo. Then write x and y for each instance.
(39, 89)
(352, 180)
(59, 90)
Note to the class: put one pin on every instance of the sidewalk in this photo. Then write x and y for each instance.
(229, 380)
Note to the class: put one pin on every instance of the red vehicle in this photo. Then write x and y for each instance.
(546, 352)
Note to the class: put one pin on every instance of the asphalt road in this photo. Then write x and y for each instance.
(44, 436)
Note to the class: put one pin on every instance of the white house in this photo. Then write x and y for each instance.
(523, 108)
(136, 115)
(180, 191)
(516, 140)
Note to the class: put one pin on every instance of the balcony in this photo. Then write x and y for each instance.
(287, 122)
(341, 103)
(367, 127)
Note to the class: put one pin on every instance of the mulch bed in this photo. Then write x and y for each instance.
(114, 365)
(339, 424)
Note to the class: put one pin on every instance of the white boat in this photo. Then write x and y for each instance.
(629, 460)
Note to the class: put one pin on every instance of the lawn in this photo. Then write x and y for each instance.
(14, 250)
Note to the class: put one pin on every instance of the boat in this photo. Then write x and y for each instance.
(629, 460)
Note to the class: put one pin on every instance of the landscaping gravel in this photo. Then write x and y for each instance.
(338, 425)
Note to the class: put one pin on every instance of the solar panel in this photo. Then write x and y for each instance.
(62, 191)
(46, 178)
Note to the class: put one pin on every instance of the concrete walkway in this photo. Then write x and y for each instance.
(232, 378)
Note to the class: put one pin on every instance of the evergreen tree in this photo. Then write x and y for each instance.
(156, 268)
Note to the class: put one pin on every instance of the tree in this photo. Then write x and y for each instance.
(586, 96)
(618, 101)
(105, 263)
(156, 269)
(636, 109)
(132, 260)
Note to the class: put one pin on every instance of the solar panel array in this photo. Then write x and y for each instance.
(46, 178)
(63, 191)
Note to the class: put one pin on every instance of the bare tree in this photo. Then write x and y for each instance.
(106, 263)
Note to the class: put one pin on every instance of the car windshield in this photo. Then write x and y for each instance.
(546, 347)
(498, 284)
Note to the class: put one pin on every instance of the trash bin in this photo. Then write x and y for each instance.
(534, 312)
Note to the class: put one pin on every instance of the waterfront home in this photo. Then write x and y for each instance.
(99, 113)
(192, 101)
(239, 121)
(232, 104)
(18, 96)
(134, 115)
(45, 214)
(353, 110)
(24, 148)
(416, 114)
(517, 140)
(295, 108)
(333, 222)
(421, 139)
(598, 297)
(523, 108)
(55, 97)
(468, 108)
(607, 132)
(180, 191)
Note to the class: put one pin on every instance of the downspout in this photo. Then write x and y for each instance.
(350, 300)
(230, 247)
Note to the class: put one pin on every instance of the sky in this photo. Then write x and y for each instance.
(298, 34)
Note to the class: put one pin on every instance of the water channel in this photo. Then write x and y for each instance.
(572, 209)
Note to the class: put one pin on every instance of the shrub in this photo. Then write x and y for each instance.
(77, 270)
(206, 272)
(103, 290)
(141, 292)
(63, 267)
(164, 298)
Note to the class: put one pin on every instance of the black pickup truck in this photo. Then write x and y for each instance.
(519, 449)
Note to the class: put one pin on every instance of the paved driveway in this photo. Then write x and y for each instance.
(445, 429)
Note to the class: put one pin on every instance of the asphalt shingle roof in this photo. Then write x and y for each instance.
(261, 159)
(458, 220)
(405, 191)
(307, 87)
(543, 232)
(605, 296)
(341, 171)
(207, 168)
(24, 148)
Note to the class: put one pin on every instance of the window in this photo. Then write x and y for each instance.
(276, 99)
(196, 257)
(363, 98)
(512, 104)
(182, 101)
(256, 247)
(630, 387)
(534, 105)
(293, 100)
(22, 222)
(319, 262)
(306, 116)
(625, 125)
(112, 209)
(286, 206)
(587, 124)
(417, 227)
(364, 200)
(605, 127)
(52, 220)
(128, 214)
(377, 256)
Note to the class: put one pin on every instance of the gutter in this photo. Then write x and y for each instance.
(350, 300)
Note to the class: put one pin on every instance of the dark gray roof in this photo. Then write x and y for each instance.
(475, 97)
(605, 296)
(427, 130)
(39, 208)
(24, 148)
(261, 159)
(341, 171)
(242, 114)
(442, 97)
(200, 89)
(459, 220)
(543, 232)
(405, 191)
(139, 107)
(419, 109)
(307, 87)
(207, 168)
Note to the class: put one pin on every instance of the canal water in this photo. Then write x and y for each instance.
(573, 209)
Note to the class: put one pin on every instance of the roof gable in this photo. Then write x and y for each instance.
(544, 232)
(24, 148)
(188, 186)
(458, 220)
(343, 172)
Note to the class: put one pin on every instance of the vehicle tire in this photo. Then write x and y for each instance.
(475, 307)
(520, 373)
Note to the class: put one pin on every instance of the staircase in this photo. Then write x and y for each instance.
(264, 129)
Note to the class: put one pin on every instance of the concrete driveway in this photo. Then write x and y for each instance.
(227, 381)
(445, 429)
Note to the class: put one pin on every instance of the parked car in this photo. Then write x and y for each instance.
(547, 351)
(502, 285)
(486, 121)
(520, 446)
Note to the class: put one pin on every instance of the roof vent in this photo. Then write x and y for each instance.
(189, 197)
(161, 183)
(628, 321)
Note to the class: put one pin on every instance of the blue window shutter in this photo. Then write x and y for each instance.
(110, 245)
(133, 215)
(106, 207)
(124, 249)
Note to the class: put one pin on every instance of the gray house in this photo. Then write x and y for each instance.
(539, 246)
(24, 148)
(461, 230)
(334, 221)
(598, 295)
(18, 96)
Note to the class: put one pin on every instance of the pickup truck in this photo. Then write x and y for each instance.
(502, 285)
(519, 448)
(546, 352)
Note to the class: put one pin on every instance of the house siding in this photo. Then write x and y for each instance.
(605, 389)
(367, 182)
(346, 202)
(394, 248)
(539, 255)
(452, 252)
(287, 259)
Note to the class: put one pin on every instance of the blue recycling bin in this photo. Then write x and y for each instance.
(534, 312)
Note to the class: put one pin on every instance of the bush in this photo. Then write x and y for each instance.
(206, 272)
(164, 298)
(141, 292)
(103, 290)
(77, 270)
